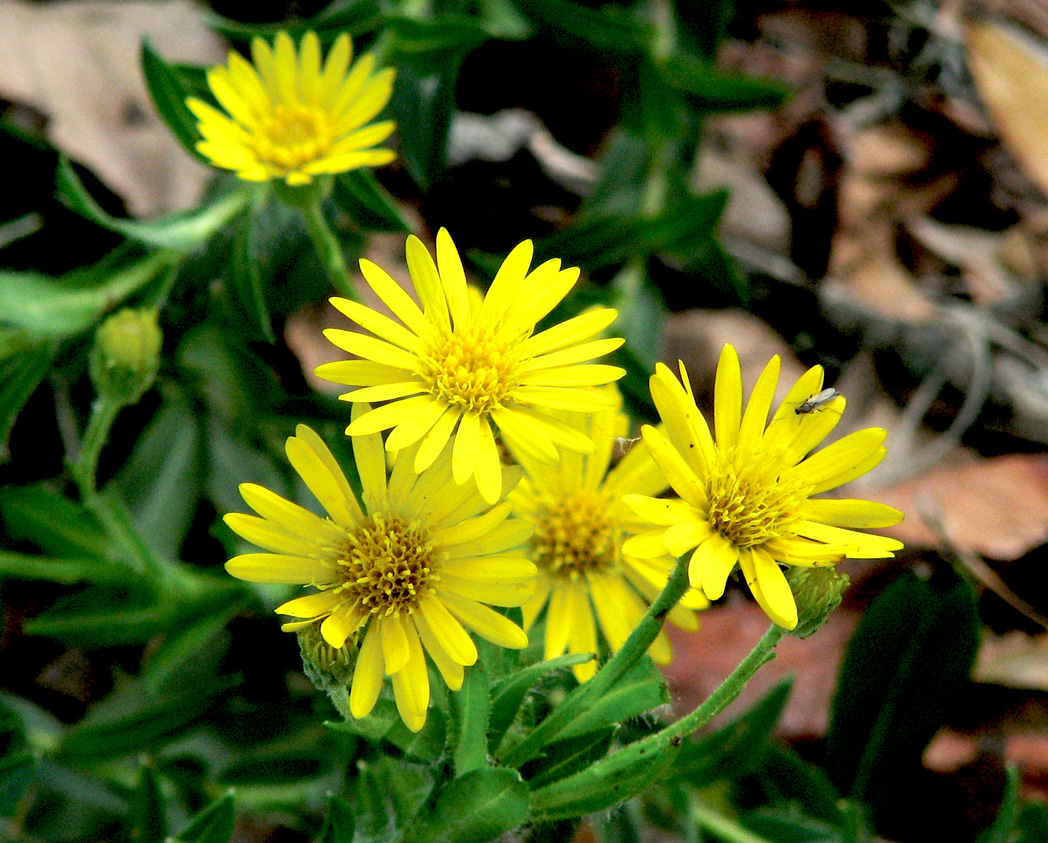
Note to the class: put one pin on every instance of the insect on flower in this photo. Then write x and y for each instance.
(817, 402)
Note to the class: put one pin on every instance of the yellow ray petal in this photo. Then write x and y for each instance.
(279, 568)
(727, 404)
(411, 685)
(367, 676)
(487, 623)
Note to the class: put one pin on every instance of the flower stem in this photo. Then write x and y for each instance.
(721, 827)
(328, 248)
(582, 698)
(103, 414)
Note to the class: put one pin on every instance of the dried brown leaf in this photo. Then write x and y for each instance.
(996, 507)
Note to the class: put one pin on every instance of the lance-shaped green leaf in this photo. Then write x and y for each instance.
(212, 825)
(423, 106)
(148, 815)
(384, 724)
(607, 783)
(428, 45)
(340, 823)
(508, 694)
(54, 308)
(366, 202)
(21, 372)
(910, 655)
(59, 526)
(182, 232)
(130, 720)
(65, 570)
(245, 279)
(353, 17)
(477, 807)
(639, 690)
(160, 482)
(470, 712)
(564, 758)
(169, 93)
(103, 617)
(606, 31)
(17, 771)
(713, 90)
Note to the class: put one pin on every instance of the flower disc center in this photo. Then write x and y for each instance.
(293, 136)
(754, 501)
(470, 370)
(387, 566)
(573, 536)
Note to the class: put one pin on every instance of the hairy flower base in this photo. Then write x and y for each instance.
(404, 577)
(585, 581)
(746, 495)
(288, 117)
(465, 364)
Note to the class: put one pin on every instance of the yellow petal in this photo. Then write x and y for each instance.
(411, 685)
(487, 623)
(727, 405)
(367, 676)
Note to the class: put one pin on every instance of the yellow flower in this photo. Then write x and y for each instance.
(289, 118)
(580, 524)
(464, 361)
(746, 497)
(406, 575)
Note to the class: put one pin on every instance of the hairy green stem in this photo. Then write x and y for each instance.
(103, 414)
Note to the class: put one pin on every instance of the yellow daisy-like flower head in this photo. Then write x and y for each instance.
(462, 362)
(287, 116)
(406, 574)
(746, 494)
(580, 526)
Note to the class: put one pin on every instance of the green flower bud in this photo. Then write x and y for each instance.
(325, 666)
(817, 591)
(126, 355)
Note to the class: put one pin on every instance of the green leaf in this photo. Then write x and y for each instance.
(169, 97)
(20, 375)
(182, 232)
(470, 712)
(130, 720)
(609, 32)
(423, 107)
(641, 689)
(603, 785)
(713, 90)
(429, 45)
(148, 815)
(386, 795)
(359, 195)
(508, 694)
(212, 825)
(340, 823)
(384, 724)
(353, 17)
(1017, 821)
(477, 807)
(105, 618)
(161, 480)
(245, 279)
(67, 571)
(563, 758)
(911, 654)
(55, 308)
(181, 646)
(17, 771)
(59, 526)
(733, 750)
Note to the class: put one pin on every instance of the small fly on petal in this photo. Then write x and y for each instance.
(817, 402)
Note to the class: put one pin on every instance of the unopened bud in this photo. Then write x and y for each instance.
(817, 591)
(326, 667)
(126, 355)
